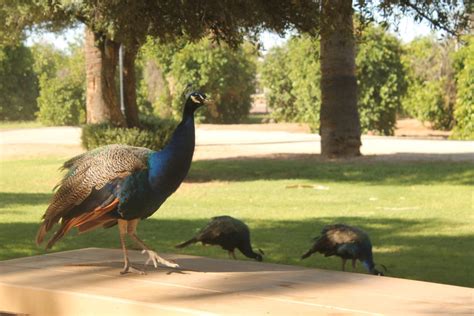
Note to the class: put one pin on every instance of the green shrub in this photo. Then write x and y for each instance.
(380, 79)
(464, 110)
(18, 84)
(154, 133)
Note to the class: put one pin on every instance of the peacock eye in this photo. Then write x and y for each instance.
(196, 99)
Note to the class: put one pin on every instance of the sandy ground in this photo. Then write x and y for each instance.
(412, 141)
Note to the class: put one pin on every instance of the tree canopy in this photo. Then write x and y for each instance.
(432, 94)
(129, 22)
(18, 83)
(292, 76)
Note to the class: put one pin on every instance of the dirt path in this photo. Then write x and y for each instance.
(413, 141)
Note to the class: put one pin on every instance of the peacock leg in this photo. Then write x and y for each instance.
(122, 224)
(231, 253)
(343, 264)
(353, 264)
(152, 255)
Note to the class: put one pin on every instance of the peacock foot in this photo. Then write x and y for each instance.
(155, 258)
(128, 268)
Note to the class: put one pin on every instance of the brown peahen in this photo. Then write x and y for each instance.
(346, 242)
(119, 184)
(227, 232)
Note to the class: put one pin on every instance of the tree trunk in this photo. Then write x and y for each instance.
(129, 87)
(101, 61)
(340, 126)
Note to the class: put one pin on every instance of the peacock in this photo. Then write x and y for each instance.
(227, 232)
(120, 184)
(346, 242)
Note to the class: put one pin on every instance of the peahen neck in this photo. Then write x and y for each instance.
(248, 251)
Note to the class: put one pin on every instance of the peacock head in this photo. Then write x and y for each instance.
(194, 101)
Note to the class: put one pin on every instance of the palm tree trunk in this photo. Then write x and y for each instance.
(101, 61)
(340, 126)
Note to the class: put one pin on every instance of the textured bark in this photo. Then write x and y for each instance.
(340, 125)
(101, 61)
(129, 87)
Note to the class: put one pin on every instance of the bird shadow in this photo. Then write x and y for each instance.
(364, 169)
(8, 199)
(400, 244)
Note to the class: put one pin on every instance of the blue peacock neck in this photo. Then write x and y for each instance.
(368, 263)
(169, 167)
(183, 139)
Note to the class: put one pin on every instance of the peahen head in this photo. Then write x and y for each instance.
(370, 266)
(194, 101)
(374, 271)
(247, 250)
(254, 255)
(259, 256)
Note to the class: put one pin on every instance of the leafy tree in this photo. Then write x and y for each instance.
(275, 79)
(226, 75)
(305, 75)
(126, 22)
(155, 61)
(464, 111)
(129, 22)
(293, 71)
(431, 93)
(18, 83)
(47, 59)
(292, 75)
(340, 127)
(62, 86)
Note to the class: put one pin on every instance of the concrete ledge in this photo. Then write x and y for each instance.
(87, 282)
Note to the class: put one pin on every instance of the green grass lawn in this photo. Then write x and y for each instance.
(419, 215)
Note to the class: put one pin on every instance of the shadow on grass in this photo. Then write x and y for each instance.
(409, 248)
(9, 198)
(313, 167)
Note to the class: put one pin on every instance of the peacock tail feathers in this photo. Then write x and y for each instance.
(340, 234)
(88, 171)
(226, 224)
